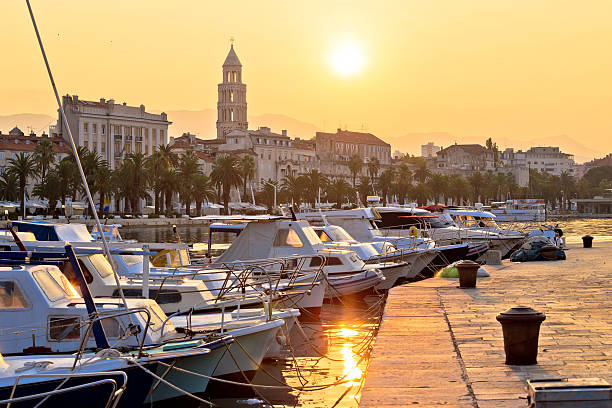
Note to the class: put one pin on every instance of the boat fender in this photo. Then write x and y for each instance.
(280, 338)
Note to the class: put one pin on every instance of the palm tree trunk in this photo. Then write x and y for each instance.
(198, 208)
(188, 207)
(101, 202)
(226, 194)
(168, 202)
(22, 186)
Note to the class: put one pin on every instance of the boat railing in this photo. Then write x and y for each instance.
(133, 330)
(113, 398)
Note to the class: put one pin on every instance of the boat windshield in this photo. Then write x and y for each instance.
(338, 234)
(49, 285)
(486, 222)
(311, 235)
(101, 265)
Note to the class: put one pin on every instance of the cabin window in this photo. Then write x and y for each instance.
(49, 286)
(329, 261)
(287, 238)
(111, 327)
(61, 328)
(11, 296)
(323, 236)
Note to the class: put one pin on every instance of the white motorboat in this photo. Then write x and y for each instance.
(529, 210)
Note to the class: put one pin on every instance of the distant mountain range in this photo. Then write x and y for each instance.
(202, 123)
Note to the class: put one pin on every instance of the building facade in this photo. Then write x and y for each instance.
(467, 157)
(112, 130)
(15, 142)
(429, 150)
(548, 159)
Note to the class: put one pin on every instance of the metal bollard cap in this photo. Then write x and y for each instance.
(521, 314)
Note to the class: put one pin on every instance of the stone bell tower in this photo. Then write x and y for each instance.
(231, 105)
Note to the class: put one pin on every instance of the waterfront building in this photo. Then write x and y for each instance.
(334, 151)
(549, 159)
(429, 150)
(112, 130)
(189, 141)
(467, 157)
(16, 141)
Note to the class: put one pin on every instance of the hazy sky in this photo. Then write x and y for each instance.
(513, 69)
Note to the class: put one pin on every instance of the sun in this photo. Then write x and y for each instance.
(347, 59)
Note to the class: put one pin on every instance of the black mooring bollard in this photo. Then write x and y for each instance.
(587, 241)
(521, 328)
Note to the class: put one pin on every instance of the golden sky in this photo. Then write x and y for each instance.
(512, 69)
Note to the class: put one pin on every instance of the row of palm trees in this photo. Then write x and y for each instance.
(160, 176)
(167, 174)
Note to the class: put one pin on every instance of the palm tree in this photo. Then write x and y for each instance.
(338, 190)
(44, 154)
(355, 165)
(102, 182)
(68, 177)
(422, 193)
(226, 174)
(169, 179)
(157, 165)
(23, 167)
(438, 185)
(203, 190)
(314, 180)
(293, 187)
(385, 181)
(422, 173)
(477, 182)
(9, 187)
(363, 188)
(247, 170)
(373, 168)
(49, 189)
(404, 182)
(187, 170)
(135, 173)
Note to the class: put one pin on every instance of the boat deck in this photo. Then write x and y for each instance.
(439, 345)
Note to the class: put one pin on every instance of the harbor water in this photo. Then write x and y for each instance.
(327, 358)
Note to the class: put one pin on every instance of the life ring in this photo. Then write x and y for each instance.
(413, 232)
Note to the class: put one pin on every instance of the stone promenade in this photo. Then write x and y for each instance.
(440, 346)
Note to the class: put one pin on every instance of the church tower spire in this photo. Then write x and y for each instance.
(231, 105)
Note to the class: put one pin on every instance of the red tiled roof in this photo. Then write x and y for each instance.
(7, 142)
(204, 156)
(304, 144)
(352, 137)
(180, 144)
(470, 148)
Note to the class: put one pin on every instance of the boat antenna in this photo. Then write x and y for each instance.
(78, 161)
(293, 217)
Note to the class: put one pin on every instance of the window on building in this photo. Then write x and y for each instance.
(103, 129)
(161, 133)
(94, 128)
(85, 129)
(103, 148)
(1, 155)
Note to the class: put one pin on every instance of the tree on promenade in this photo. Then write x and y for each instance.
(226, 174)
(203, 190)
(373, 169)
(247, 171)
(23, 167)
(355, 165)
(44, 155)
(314, 181)
(293, 187)
(385, 183)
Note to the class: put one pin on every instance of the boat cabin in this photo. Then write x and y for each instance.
(41, 311)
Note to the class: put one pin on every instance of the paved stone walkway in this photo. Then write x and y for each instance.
(440, 346)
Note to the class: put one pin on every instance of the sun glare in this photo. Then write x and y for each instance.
(347, 59)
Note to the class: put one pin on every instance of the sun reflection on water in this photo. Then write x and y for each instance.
(351, 371)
